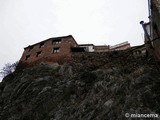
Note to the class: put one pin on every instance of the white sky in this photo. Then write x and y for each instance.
(25, 22)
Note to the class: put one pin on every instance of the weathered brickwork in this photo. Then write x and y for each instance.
(49, 51)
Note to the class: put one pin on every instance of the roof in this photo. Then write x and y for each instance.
(101, 45)
(86, 44)
(52, 39)
(120, 45)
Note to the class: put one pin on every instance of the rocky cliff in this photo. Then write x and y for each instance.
(93, 86)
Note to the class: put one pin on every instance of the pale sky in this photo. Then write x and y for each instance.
(109, 22)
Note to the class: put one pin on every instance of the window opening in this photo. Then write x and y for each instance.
(41, 45)
(57, 41)
(56, 50)
(39, 53)
(27, 57)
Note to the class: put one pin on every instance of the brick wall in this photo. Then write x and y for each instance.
(49, 52)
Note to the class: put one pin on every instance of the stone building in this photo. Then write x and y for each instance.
(95, 48)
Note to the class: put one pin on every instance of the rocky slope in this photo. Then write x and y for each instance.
(94, 86)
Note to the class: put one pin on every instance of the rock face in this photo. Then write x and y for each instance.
(93, 86)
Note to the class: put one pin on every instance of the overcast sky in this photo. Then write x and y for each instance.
(25, 22)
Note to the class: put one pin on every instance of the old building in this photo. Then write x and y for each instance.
(101, 48)
(121, 46)
(152, 29)
(95, 48)
(105, 48)
(88, 47)
(60, 50)
(51, 50)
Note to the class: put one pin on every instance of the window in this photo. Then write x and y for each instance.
(39, 53)
(41, 45)
(27, 57)
(57, 41)
(30, 48)
(56, 50)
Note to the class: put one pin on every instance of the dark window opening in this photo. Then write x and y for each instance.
(56, 50)
(39, 53)
(78, 49)
(30, 48)
(41, 45)
(27, 57)
(57, 41)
